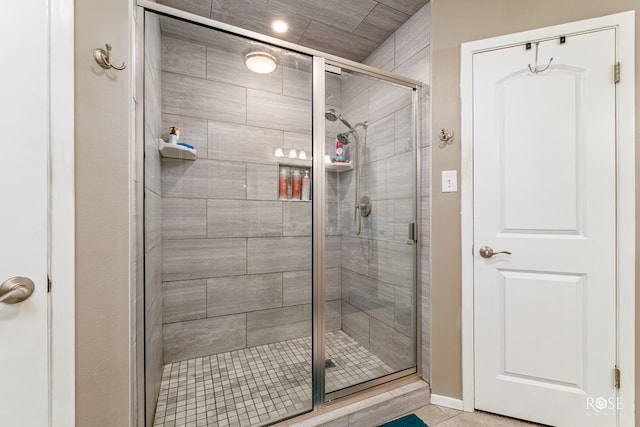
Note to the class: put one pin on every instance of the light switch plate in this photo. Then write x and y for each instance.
(449, 181)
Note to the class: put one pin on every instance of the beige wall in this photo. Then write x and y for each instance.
(102, 215)
(455, 22)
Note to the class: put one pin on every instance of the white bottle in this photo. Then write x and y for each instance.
(306, 186)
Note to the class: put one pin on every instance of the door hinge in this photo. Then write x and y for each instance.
(49, 284)
(616, 376)
(616, 73)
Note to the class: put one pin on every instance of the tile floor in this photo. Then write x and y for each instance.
(437, 416)
(258, 385)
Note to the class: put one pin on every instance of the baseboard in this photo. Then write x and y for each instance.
(447, 402)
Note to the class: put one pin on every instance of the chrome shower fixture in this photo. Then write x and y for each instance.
(343, 138)
(332, 115)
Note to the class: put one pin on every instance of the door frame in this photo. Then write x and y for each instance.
(625, 177)
(61, 193)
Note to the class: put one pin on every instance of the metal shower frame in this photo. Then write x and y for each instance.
(320, 59)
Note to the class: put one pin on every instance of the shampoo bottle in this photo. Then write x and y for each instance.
(306, 186)
(173, 135)
(341, 155)
(296, 184)
(283, 184)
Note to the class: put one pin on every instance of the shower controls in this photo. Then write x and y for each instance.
(364, 206)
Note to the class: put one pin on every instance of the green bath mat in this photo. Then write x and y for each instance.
(410, 420)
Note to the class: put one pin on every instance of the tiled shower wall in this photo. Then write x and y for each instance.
(153, 214)
(236, 261)
(377, 275)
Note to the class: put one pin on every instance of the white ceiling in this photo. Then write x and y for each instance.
(349, 28)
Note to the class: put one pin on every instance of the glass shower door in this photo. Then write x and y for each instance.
(370, 279)
(228, 310)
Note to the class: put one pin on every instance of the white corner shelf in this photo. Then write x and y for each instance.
(174, 151)
(339, 166)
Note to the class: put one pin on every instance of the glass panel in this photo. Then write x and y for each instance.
(228, 227)
(371, 202)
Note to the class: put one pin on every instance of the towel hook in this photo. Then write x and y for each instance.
(535, 69)
(446, 137)
(103, 58)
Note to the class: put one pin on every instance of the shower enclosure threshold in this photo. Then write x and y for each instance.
(371, 407)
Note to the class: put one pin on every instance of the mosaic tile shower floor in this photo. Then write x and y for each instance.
(259, 385)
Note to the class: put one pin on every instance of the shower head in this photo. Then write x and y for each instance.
(332, 115)
(343, 138)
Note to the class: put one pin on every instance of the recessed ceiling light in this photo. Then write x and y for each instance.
(260, 62)
(279, 26)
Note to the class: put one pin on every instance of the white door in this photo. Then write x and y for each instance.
(24, 383)
(545, 190)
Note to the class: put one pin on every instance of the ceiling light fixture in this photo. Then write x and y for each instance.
(260, 62)
(279, 26)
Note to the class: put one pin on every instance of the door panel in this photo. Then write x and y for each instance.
(23, 217)
(370, 256)
(526, 150)
(544, 190)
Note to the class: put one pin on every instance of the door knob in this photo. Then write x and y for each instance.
(487, 252)
(16, 289)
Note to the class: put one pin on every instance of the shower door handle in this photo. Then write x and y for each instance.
(413, 235)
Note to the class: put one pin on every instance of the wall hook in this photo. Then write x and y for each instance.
(103, 58)
(535, 69)
(446, 137)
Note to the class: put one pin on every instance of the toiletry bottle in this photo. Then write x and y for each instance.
(173, 136)
(341, 155)
(283, 184)
(306, 186)
(296, 184)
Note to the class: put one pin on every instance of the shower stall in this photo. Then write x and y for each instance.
(280, 272)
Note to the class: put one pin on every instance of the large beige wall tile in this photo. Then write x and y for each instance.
(203, 179)
(262, 182)
(279, 324)
(241, 143)
(278, 112)
(297, 287)
(184, 218)
(204, 99)
(184, 57)
(203, 258)
(243, 218)
(267, 255)
(239, 294)
(184, 300)
(196, 338)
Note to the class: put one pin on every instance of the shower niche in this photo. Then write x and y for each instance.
(294, 182)
(229, 260)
